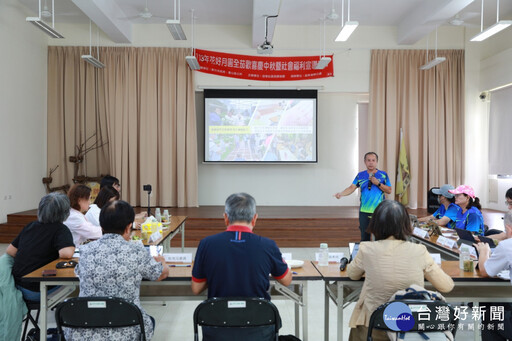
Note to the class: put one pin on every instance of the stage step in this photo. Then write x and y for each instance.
(9, 231)
(288, 226)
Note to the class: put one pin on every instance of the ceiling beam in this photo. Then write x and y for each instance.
(260, 9)
(106, 14)
(426, 17)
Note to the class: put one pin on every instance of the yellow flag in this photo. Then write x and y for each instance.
(403, 177)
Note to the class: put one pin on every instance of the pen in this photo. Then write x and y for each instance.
(180, 265)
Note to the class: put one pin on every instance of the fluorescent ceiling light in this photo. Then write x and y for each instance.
(192, 62)
(176, 30)
(93, 61)
(44, 27)
(432, 63)
(347, 30)
(322, 63)
(492, 30)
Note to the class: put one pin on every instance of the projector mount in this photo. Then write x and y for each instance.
(266, 47)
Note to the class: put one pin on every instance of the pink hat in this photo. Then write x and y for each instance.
(464, 189)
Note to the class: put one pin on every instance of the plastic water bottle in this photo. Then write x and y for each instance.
(323, 259)
(464, 256)
(166, 217)
(158, 215)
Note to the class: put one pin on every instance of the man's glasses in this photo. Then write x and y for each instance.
(69, 264)
(509, 203)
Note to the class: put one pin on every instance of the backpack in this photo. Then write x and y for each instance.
(416, 292)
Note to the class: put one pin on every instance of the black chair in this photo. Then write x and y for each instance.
(30, 318)
(426, 319)
(432, 202)
(98, 312)
(237, 318)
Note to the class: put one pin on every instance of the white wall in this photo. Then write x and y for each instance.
(496, 70)
(22, 110)
(314, 184)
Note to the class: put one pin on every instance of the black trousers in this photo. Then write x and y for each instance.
(364, 220)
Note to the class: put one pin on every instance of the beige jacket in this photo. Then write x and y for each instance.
(390, 265)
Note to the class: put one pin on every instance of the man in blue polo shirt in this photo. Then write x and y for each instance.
(373, 184)
(238, 262)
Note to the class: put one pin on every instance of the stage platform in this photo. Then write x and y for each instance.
(288, 226)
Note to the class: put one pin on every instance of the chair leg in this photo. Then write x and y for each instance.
(30, 318)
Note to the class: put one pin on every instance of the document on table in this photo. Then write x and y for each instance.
(437, 257)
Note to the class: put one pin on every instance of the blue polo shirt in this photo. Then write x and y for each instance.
(471, 220)
(238, 262)
(451, 213)
(371, 197)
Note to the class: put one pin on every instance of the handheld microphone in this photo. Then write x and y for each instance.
(343, 263)
(370, 181)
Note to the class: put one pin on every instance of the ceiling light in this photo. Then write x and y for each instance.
(492, 30)
(347, 27)
(437, 60)
(322, 63)
(93, 61)
(44, 27)
(347, 30)
(432, 63)
(88, 57)
(176, 30)
(192, 62)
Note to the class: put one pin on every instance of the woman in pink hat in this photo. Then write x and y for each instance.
(469, 217)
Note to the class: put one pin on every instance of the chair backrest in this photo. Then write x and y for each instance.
(98, 312)
(432, 202)
(237, 318)
(415, 315)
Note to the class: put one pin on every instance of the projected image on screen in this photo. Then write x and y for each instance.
(260, 129)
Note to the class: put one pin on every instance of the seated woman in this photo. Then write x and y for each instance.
(41, 242)
(469, 216)
(447, 212)
(81, 229)
(389, 264)
(112, 181)
(105, 195)
(113, 266)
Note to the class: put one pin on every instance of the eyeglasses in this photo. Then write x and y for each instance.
(509, 203)
(62, 265)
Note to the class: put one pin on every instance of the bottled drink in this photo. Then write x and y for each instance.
(158, 216)
(323, 259)
(463, 256)
(166, 216)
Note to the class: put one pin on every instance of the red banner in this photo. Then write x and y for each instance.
(262, 68)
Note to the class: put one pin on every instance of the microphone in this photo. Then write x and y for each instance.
(343, 263)
(370, 181)
(148, 189)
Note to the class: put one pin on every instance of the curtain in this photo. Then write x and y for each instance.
(140, 112)
(429, 107)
